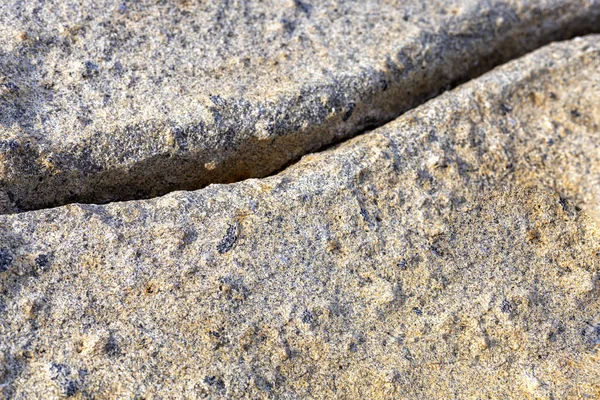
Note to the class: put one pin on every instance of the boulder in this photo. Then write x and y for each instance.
(452, 253)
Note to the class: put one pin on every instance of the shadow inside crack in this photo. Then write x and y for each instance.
(361, 102)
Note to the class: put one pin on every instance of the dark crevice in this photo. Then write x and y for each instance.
(363, 103)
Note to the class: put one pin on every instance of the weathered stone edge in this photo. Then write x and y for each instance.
(187, 157)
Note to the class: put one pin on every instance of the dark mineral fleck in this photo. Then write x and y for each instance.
(307, 317)
(228, 241)
(61, 374)
(90, 70)
(42, 261)
(263, 384)
(190, 237)
(349, 111)
(305, 7)
(215, 382)
(505, 307)
(112, 347)
(505, 108)
(71, 389)
(5, 260)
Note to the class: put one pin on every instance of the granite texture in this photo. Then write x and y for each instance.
(453, 253)
(111, 100)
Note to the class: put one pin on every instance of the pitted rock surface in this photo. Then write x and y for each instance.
(112, 100)
(453, 253)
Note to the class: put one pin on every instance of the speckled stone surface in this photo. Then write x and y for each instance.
(107, 100)
(453, 253)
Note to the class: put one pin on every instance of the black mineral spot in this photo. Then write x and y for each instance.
(505, 307)
(383, 84)
(42, 261)
(575, 113)
(403, 265)
(505, 108)
(349, 111)
(563, 204)
(288, 25)
(396, 377)
(432, 137)
(190, 237)
(61, 374)
(307, 317)
(303, 6)
(436, 250)
(364, 214)
(111, 348)
(263, 384)
(228, 241)
(5, 260)
(181, 138)
(71, 389)
(89, 70)
(118, 68)
(215, 382)
(417, 311)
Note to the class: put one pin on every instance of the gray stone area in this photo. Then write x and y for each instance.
(111, 100)
(452, 253)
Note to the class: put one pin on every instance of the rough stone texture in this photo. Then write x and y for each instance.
(106, 100)
(453, 253)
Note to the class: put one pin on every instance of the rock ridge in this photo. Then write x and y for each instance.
(103, 106)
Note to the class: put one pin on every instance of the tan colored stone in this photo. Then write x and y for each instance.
(453, 253)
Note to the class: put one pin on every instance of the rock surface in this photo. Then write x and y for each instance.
(108, 100)
(453, 253)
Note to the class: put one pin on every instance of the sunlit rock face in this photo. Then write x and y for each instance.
(452, 253)
(113, 100)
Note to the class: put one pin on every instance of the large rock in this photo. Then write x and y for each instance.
(110, 100)
(453, 253)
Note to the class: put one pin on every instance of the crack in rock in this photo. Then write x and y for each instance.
(132, 101)
(452, 253)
